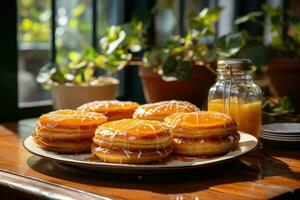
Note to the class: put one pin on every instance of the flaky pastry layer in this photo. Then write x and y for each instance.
(130, 157)
(63, 134)
(199, 133)
(209, 147)
(63, 146)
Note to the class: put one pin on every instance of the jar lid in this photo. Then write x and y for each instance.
(235, 64)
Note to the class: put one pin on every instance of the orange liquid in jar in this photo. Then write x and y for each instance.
(248, 116)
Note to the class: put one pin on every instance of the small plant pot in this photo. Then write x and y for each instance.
(285, 79)
(195, 89)
(70, 96)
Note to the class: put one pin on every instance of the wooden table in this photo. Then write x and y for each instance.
(263, 174)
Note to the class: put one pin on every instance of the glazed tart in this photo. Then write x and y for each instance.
(132, 141)
(203, 133)
(112, 109)
(67, 131)
(160, 110)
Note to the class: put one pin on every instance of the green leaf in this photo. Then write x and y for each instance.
(206, 17)
(152, 57)
(277, 40)
(44, 75)
(184, 70)
(89, 53)
(252, 16)
(176, 69)
(229, 45)
(100, 60)
(258, 54)
(210, 16)
(169, 67)
(275, 22)
(57, 75)
(286, 104)
(113, 40)
(74, 56)
(209, 55)
(88, 74)
(271, 10)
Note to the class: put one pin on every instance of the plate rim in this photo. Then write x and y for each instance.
(136, 167)
(278, 139)
(279, 131)
(280, 134)
(281, 137)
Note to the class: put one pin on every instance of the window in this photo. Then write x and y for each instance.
(78, 24)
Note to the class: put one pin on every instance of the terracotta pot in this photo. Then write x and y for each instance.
(195, 89)
(70, 96)
(285, 79)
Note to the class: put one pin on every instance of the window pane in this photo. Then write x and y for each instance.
(74, 27)
(111, 12)
(34, 48)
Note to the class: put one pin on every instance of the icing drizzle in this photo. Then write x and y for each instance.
(105, 106)
(202, 119)
(163, 108)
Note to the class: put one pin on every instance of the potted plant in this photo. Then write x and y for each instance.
(184, 66)
(284, 66)
(78, 82)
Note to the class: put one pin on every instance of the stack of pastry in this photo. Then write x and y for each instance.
(202, 133)
(132, 141)
(160, 110)
(67, 131)
(156, 130)
(112, 109)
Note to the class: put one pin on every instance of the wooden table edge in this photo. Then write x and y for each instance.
(34, 187)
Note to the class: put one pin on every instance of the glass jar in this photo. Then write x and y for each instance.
(236, 94)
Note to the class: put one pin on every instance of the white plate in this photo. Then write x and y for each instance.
(282, 128)
(174, 162)
(280, 136)
(292, 135)
(283, 139)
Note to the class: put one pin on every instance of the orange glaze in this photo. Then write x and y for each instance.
(204, 119)
(143, 129)
(163, 109)
(113, 109)
(72, 118)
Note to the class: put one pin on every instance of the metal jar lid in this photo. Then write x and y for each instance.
(235, 64)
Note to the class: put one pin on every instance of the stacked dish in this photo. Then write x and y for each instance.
(281, 132)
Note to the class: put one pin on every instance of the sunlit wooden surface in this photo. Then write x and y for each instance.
(262, 174)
